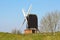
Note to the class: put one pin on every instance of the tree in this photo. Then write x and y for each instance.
(50, 22)
(16, 31)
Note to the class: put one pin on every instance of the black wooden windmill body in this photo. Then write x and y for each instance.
(31, 20)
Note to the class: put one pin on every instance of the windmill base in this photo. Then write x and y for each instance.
(29, 31)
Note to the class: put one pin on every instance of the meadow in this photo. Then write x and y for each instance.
(39, 36)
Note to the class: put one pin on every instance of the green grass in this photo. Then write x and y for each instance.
(8, 36)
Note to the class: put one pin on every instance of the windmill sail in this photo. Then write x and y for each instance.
(29, 9)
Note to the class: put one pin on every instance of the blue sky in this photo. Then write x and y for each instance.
(11, 15)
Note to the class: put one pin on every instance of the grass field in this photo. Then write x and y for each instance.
(8, 36)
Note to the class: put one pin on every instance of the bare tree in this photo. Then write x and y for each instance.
(16, 31)
(50, 22)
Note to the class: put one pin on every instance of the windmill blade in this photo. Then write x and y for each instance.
(23, 12)
(29, 9)
(23, 22)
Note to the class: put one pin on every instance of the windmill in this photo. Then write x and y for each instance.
(31, 20)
